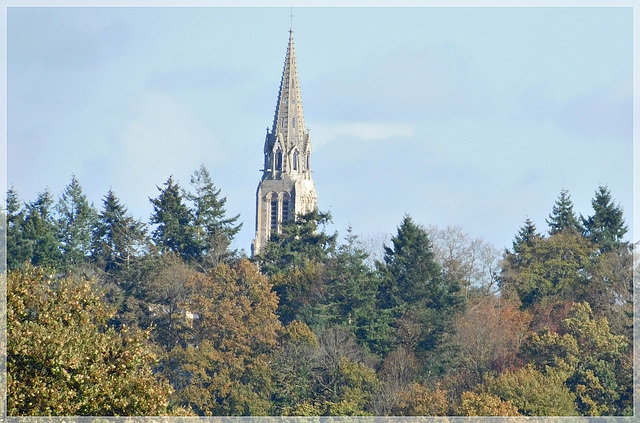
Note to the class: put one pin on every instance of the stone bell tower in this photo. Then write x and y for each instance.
(286, 187)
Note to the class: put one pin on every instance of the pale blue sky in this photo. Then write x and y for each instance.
(470, 116)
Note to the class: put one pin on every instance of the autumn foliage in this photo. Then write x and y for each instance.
(63, 358)
(106, 317)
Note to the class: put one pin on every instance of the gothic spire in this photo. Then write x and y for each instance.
(288, 122)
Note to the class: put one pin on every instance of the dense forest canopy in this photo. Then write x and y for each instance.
(110, 315)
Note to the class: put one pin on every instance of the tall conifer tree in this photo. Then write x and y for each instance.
(298, 242)
(118, 237)
(349, 297)
(40, 232)
(410, 272)
(18, 249)
(526, 236)
(213, 230)
(77, 218)
(413, 289)
(294, 261)
(174, 231)
(606, 226)
(562, 217)
(351, 284)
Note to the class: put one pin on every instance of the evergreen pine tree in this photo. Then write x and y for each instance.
(118, 237)
(76, 220)
(520, 255)
(410, 272)
(18, 249)
(295, 262)
(606, 226)
(562, 216)
(351, 284)
(298, 242)
(350, 297)
(413, 289)
(40, 232)
(174, 231)
(13, 203)
(213, 231)
(526, 236)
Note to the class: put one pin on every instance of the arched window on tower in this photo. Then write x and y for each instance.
(278, 159)
(285, 208)
(295, 160)
(274, 212)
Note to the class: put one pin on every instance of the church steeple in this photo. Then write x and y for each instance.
(288, 132)
(286, 187)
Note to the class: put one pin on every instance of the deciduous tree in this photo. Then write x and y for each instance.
(484, 404)
(419, 400)
(488, 336)
(473, 263)
(167, 293)
(610, 289)
(343, 381)
(226, 369)
(548, 269)
(594, 363)
(398, 371)
(532, 392)
(63, 358)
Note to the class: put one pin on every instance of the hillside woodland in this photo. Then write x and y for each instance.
(110, 315)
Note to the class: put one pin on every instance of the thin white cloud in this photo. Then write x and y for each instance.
(325, 133)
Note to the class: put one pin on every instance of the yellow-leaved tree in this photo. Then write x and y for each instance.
(64, 359)
(225, 369)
